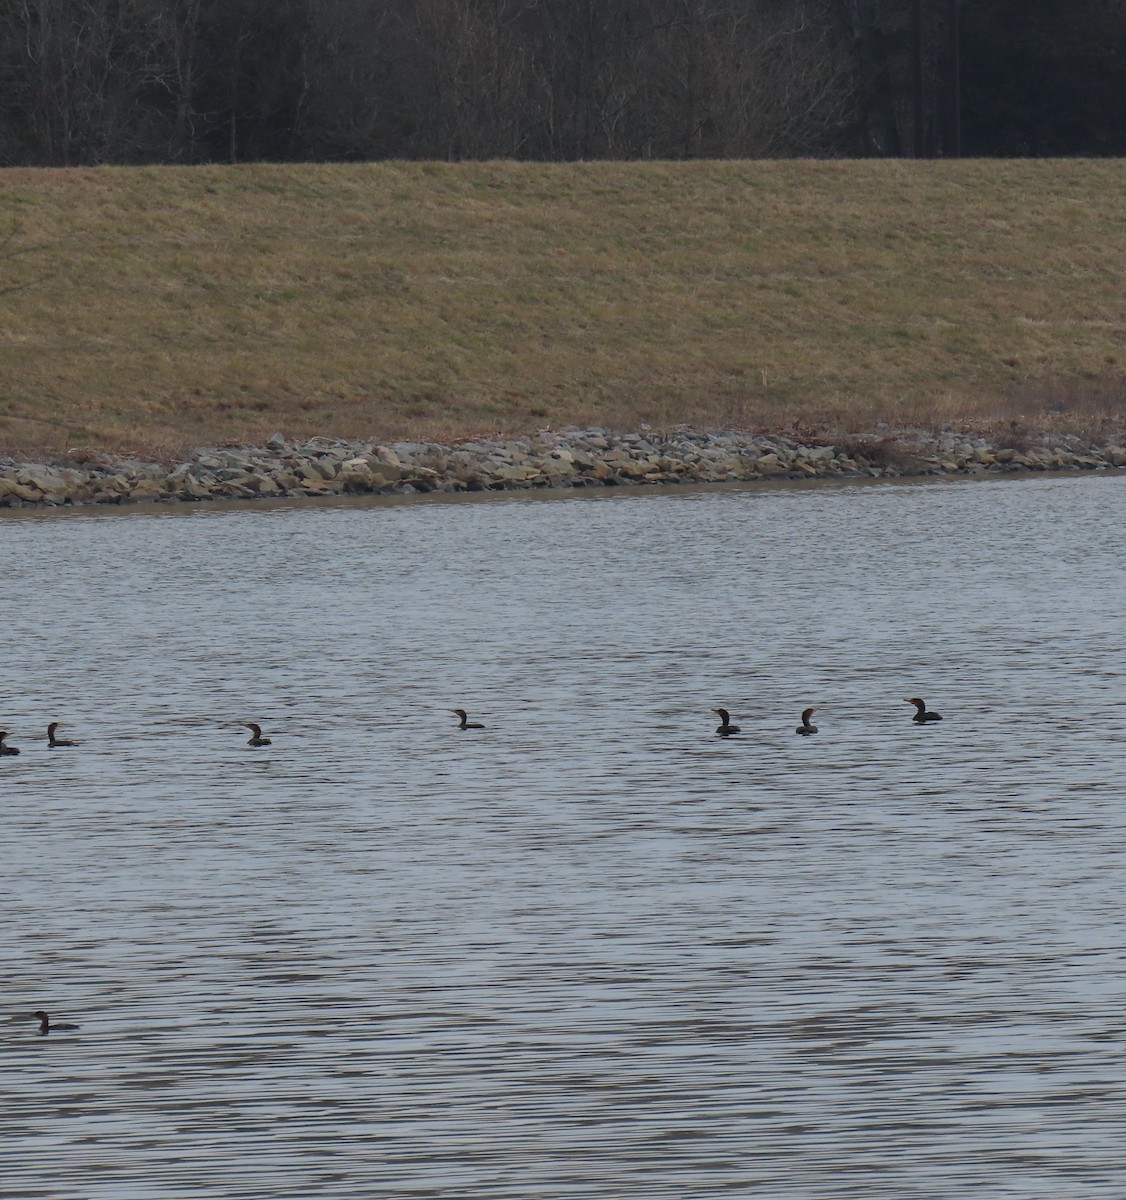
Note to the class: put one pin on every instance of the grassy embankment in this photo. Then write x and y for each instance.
(170, 307)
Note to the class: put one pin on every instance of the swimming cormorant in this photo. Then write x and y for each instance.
(6, 749)
(724, 728)
(805, 727)
(922, 716)
(465, 722)
(53, 741)
(45, 1025)
(256, 738)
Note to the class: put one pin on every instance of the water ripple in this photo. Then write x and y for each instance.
(591, 950)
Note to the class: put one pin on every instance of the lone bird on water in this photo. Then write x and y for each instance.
(922, 715)
(256, 738)
(465, 722)
(45, 1025)
(53, 742)
(805, 727)
(5, 749)
(724, 728)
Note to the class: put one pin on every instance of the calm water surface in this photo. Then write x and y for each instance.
(592, 950)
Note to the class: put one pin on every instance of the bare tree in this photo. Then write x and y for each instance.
(470, 77)
(82, 75)
(176, 69)
(352, 65)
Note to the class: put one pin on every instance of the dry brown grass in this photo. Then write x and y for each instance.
(184, 306)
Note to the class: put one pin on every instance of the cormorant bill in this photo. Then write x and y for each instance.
(922, 716)
(256, 738)
(52, 741)
(805, 727)
(724, 728)
(465, 723)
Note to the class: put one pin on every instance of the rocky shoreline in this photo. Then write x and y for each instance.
(565, 458)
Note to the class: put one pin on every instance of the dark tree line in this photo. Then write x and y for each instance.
(138, 81)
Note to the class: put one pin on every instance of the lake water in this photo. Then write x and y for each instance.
(592, 950)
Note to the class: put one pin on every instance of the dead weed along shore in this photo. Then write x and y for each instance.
(570, 458)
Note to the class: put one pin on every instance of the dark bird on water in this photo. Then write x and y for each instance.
(256, 738)
(465, 722)
(922, 716)
(45, 1025)
(54, 742)
(805, 727)
(724, 728)
(4, 749)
